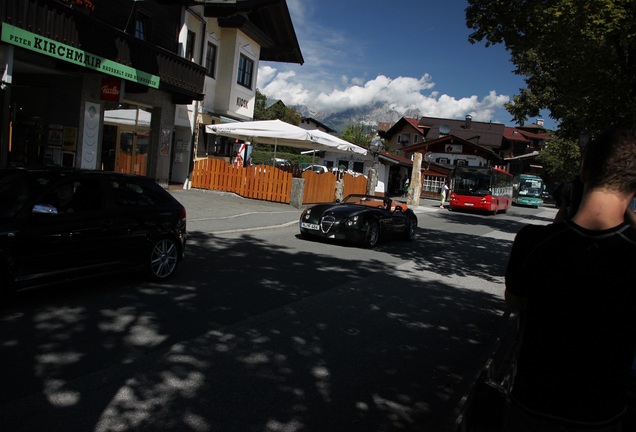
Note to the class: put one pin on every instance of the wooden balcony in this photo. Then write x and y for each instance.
(81, 29)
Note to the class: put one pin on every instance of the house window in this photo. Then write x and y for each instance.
(414, 139)
(344, 163)
(461, 162)
(443, 160)
(189, 51)
(141, 26)
(210, 59)
(246, 68)
(404, 139)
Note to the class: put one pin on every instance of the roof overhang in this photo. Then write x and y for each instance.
(268, 22)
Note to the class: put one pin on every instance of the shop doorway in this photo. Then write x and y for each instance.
(126, 139)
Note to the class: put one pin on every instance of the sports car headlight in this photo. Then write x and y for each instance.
(307, 214)
(351, 222)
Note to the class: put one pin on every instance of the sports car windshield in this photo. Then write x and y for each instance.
(366, 200)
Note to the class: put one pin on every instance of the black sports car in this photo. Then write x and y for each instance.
(360, 219)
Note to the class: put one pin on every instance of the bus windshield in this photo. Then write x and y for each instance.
(530, 186)
(472, 182)
(528, 190)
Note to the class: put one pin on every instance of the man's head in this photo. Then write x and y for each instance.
(610, 161)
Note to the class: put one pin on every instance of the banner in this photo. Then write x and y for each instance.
(33, 42)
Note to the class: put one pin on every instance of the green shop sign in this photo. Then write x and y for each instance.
(31, 41)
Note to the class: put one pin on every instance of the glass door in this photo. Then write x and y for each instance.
(127, 132)
(132, 151)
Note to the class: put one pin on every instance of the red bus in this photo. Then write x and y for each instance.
(480, 188)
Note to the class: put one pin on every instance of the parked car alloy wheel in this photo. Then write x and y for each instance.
(164, 257)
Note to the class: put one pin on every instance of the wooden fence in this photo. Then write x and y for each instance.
(318, 187)
(258, 182)
(354, 185)
(270, 183)
(321, 187)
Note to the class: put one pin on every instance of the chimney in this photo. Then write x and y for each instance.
(469, 120)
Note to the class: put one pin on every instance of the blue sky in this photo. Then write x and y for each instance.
(413, 54)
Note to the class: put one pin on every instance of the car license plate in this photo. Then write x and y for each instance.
(469, 204)
(309, 226)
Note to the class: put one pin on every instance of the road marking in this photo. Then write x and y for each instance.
(238, 215)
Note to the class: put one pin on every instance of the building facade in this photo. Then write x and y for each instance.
(126, 86)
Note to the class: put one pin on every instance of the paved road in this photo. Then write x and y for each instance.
(387, 350)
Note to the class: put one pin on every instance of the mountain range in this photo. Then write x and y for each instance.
(371, 116)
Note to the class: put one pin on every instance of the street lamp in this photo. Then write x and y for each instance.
(584, 140)
(375, 146)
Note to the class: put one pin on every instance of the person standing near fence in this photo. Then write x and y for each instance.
(443, 191)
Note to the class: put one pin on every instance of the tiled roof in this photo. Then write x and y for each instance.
(482, 133)
(396, 158)
(413, 122)
(514, 134)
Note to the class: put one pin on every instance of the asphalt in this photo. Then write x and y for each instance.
(224, 212)
(396, 350)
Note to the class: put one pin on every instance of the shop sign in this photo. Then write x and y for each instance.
(33, 42)
(111, 90)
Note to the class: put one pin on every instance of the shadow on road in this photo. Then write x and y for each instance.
(228, 345)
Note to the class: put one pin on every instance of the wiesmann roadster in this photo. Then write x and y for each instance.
(361, 219)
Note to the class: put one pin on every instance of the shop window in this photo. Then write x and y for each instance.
(210, 60)
(245, 71)
(358, 167)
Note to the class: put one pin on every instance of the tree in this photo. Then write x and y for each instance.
(578, 57)
(275, 111)
(357, 134)
(560, 159)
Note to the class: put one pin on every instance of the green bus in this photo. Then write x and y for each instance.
(527, 190)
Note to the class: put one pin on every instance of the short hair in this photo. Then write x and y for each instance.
(610, 160)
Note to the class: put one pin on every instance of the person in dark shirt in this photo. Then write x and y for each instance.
(578, 322)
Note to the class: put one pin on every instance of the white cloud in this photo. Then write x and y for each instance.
(403, 94)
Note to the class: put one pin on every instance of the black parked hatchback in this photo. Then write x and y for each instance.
(58, 225)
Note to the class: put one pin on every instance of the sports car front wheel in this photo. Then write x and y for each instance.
(371, 235)
(411, 226)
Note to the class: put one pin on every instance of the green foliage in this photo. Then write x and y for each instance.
(264, 153)
(275, 111)
(357, 134)
(578, 57)
(560, 159)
